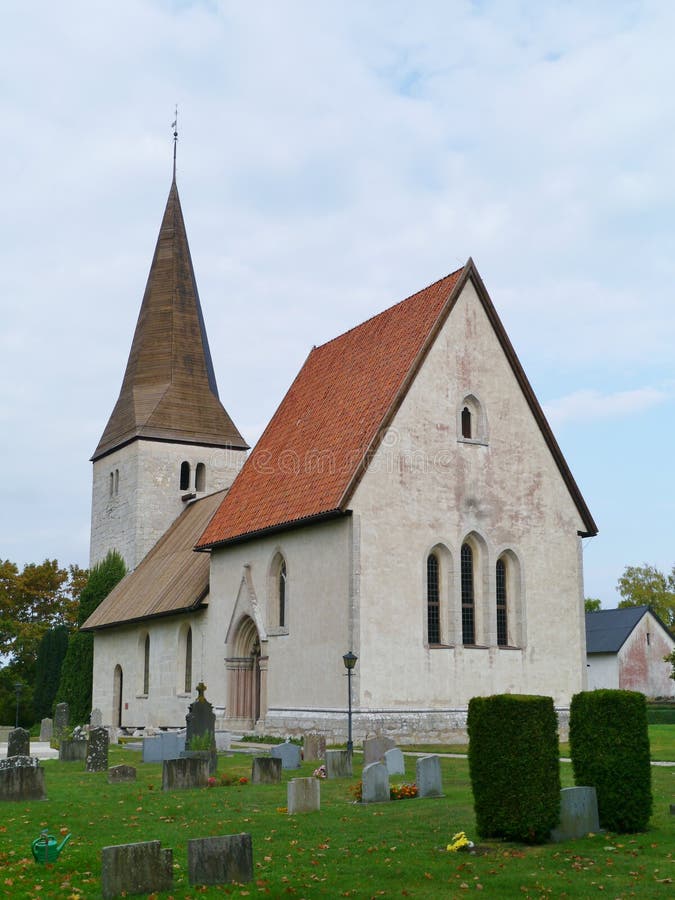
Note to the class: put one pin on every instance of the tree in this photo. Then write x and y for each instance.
(592, 604)
(671, 659)
(645, 585)
(50, 656)
(31, 602)
(78, 665)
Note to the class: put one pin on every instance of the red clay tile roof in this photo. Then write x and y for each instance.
(312, 449)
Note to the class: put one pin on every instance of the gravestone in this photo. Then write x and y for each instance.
(200, 719)
(375, 783)
(304, 795)
(96, 718)
(428, 778)
(183, 774)
(72, 751)
(223, 741)
(375, 748)
(313, 747)
(266, 770)
(22, 779)
(338, 764)
(220, 860)
(578, 814)
(167, 745)
(288, 753)
(46, 730)
(394, 761)
(18, 742)
(211, 757)
(97, 750)
(136, 869)
(61, 720)
(121, 774)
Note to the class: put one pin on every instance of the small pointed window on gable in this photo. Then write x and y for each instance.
(184, 476)
(472, 425)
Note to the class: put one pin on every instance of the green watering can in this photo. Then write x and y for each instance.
(45, 849)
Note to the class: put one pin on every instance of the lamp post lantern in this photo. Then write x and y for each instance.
(349, 659)
(18, 687)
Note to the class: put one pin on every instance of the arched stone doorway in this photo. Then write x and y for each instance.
(246, 677)
(118, 681)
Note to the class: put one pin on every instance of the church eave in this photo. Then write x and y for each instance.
(177, 438)
(195, 607)
(291, 525)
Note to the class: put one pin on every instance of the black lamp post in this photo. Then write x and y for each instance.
(18, 687)
(349, 659)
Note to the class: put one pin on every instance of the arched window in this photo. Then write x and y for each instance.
(112, 483)
(466, 423)
(146, 665)
(282, 594)
(200, 477)
(468, 609)
(502, 616)
(117, 481)
(188, 661)
(433, 600)
(184, 476)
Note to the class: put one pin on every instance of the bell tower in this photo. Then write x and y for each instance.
(169, 438)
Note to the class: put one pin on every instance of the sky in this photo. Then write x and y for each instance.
(333, 158)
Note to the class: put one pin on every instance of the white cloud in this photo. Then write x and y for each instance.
(591, 405)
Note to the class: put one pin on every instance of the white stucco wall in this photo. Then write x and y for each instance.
(603, 671)
(640, 660)
(426, 487)
(148, 498)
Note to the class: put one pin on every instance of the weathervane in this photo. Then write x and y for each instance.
(174, 125)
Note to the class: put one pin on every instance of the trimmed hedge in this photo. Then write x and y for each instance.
(609, 746)
(514, 768)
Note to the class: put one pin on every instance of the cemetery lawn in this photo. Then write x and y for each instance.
(393, 849)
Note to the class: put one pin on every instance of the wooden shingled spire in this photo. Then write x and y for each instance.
(169, 390)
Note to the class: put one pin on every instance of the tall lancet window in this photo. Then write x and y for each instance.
(188, 661)
(502, 619)
(282, 595)
(184, 476)
(146, 665)
(466, 423)
(433, 601)
(468, 611)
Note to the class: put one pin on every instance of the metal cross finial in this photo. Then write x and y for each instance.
(174, 125)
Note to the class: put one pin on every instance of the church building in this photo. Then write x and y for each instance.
(407, 502)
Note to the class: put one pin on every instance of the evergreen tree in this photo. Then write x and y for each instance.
(50, 656)
(78, 666)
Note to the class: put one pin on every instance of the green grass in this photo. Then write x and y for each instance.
(345, 850)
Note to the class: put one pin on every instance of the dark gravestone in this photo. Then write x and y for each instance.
(266, 770)
(136, 869)
(61, 720)
(220, 860)
(121, 774)
(288, 753)
(578, 814)
(97, 750)
(200, 722)
(184, 774)
(21, 779)
(313, 747)
(375, 748)
(18, 742)
(338, 764)
(72, 751)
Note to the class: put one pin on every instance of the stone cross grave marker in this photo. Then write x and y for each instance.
(200, 719)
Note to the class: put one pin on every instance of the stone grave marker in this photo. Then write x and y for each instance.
(375, 748)
(61, 720)
(578, 814)
(220, 860)
(46, 729)
(429, 776)
(394, 761)
(121, 774)
(314, 747)
(18, 742)
(21, 779)
(72, 751)
(136, 869)
(200, 718)
(288, 753)
(97, 750)
(96, 718)
(338, 764)
(304, 795)
(223, 741)
(167, 745)
(375, 783)
(183, 774)
(266, 770)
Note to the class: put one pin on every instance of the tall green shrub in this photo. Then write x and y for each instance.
(609, 746)
(50, 656)
(514, 768)
(78, 666)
